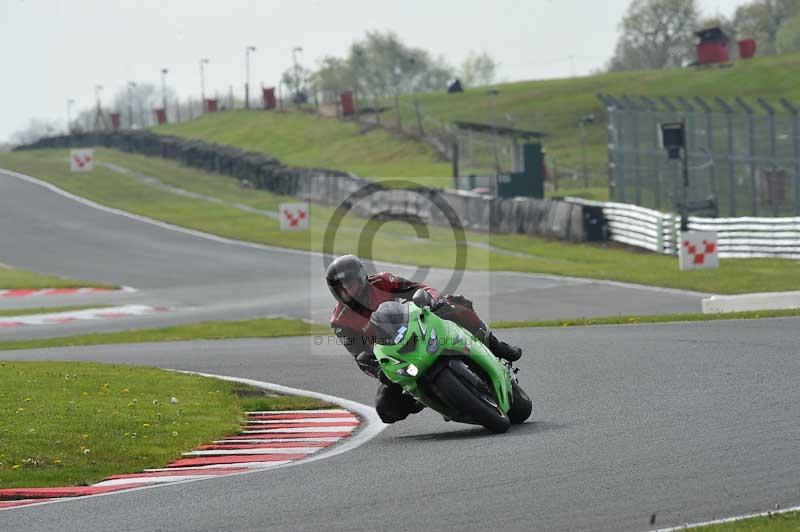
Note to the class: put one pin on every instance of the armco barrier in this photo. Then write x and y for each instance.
(736, 237)
(556, 219)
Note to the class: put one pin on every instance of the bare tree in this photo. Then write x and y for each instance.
(478, 70)
(655, 34)
(36, 129)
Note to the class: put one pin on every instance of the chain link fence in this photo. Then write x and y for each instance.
(744, 157)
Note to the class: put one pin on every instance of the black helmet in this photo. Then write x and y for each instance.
(347, 280)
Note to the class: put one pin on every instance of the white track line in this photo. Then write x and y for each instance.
(153, 480)
(246, 452)
(728, 520)
(304, 420)
(348, 428)
(268, 412)
(276, 440)
(265, 247)
(237, 465)
(371, 426)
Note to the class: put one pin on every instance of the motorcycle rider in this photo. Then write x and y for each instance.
(359, 295)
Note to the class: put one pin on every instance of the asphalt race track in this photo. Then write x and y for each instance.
(687, 421)
(203, 279)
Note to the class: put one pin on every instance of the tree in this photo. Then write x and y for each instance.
(141, 99)
(380, 66)
(36, 129)
(333, 75)
(655, 34)
(762, 19)
(788, 37)
(478, 70)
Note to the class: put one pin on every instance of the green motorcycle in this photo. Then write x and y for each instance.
(445, 368)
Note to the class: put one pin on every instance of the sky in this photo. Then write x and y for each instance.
(56, 50)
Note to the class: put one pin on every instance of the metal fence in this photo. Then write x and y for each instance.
(744, 157)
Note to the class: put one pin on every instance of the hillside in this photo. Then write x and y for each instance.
(551, 106)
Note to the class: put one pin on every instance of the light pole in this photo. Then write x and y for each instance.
(247, 51)
(164, 89)
(296, 96)
(131, 86)
(586, 119)
(203, 62)
(490, 97)
(98, 117)
(70, 101)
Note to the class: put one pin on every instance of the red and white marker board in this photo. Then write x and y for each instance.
(698, 250)
(81, 160)
(294, 216)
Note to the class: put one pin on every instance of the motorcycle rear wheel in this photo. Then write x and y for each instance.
(464, 398)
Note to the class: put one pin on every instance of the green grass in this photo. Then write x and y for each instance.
(220, 330)
(657, 318)
(45, 310)
(785, 522)
(551, 106)
(13, 278)
(279, 327)
(301, 139)
(393, 241)
(73, 423)
(555, 106)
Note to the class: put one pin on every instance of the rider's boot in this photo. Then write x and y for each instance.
(501, 349)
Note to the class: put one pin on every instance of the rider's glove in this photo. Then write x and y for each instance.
(367, 363)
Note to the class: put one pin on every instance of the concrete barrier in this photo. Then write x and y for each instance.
(748, 302)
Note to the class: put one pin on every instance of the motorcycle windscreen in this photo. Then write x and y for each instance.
(389, 323)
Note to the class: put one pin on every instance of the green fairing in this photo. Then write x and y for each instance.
(451, 338)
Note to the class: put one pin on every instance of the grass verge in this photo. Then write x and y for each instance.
(785, 522)
(73, 423)
(221, 330)
(658, 318)
(45, 310)
(13, 278)
(280, 327)
(392, 241)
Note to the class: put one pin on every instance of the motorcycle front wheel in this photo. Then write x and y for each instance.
(475, 402)
(521, 405)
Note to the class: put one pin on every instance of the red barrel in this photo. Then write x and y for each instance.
(268, 98)
(161, 116)
(348, 106)
(211, 105)
(747, 48)
(115, 121)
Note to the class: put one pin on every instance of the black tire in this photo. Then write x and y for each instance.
(521, 406)
(463, 398)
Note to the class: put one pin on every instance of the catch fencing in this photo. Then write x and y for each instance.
(744, 156)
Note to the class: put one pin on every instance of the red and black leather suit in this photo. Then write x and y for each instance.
(351, 325)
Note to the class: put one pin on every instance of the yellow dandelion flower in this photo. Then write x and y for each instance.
(56, 461)
(85, 436)
(145, 425)
(28, 399)
(16, 466)
(125, 390)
